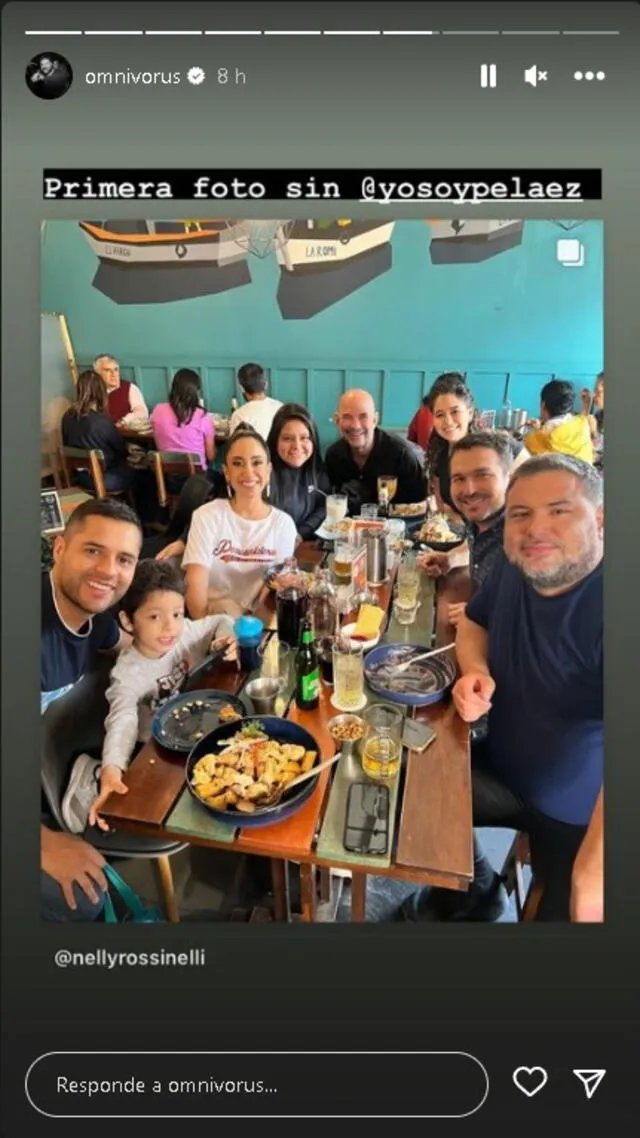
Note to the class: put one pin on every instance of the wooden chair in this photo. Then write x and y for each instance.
(91, 461)
(52, 463)
(519, 857)
(170, 462)
(75, 722)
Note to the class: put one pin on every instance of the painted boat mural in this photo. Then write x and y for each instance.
(139, 260)
(462, 241)
(157, 243)
(320, 262)
(324, 261)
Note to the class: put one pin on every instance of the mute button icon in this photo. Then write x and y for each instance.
(533, 76)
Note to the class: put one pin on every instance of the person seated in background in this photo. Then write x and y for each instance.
(421, 425)
(94, 563)
(299, 483)
(454, 418)
(233, 541)
(87, 425)
(183, 424)
(165, 649)
(561, 430)
(593, 409)
(259, 408)
(124, 398)
(480, 466)
(530, 653)
(365, 453)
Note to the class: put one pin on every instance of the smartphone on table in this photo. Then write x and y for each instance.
(367, 823)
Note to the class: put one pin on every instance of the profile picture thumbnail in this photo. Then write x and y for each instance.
(49, 75)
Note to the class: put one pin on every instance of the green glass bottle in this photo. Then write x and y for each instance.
(307, 670)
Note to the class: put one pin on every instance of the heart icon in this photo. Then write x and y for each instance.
(530, 1080)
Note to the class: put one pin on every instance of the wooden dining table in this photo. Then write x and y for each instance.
(431, 832)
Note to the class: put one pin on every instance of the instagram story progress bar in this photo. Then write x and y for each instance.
(488, 75)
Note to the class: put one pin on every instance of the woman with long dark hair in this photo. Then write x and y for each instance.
(87, 426)
(298, 479)
(232, 541)
(454, 417)
(182, 424)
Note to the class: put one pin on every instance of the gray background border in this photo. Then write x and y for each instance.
(563, 997)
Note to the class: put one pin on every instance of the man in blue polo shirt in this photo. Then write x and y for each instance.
(480, 466)
(530, 651)
(94, 563)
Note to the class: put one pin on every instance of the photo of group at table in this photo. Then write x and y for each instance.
(345, 663)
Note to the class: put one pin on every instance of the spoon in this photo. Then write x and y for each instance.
(276, 795)
(423, 656)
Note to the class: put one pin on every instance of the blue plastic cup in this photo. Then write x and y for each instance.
(248, 632)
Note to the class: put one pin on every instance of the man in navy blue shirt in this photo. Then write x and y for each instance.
(94, 563)
(530, 651)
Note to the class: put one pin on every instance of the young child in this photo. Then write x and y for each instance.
(166, 648)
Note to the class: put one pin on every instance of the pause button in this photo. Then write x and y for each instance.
(488, 75)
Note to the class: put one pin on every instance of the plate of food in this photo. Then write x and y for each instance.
(283, 573)
(422, 683)
(334, 531)
(409, 510)
(190, 716)
(241, 776)
(441, 533)
(349, 630)
(366, 630)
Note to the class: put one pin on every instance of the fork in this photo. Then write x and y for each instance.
(424, 656)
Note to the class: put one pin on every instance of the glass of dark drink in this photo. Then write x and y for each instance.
(291, 608)
(325, 656)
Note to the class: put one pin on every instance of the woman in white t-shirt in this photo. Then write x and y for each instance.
(231, 542)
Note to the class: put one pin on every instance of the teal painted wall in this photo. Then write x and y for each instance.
(520, 313)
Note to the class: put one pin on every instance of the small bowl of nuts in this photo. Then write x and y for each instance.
(347, 732)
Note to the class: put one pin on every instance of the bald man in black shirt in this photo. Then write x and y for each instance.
(365, 452)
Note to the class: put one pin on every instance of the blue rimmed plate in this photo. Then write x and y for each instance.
(190, 716)
(427, 682)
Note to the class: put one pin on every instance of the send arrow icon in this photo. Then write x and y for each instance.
(590, 1080)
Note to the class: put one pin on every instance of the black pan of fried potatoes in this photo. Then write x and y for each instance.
(268, 753)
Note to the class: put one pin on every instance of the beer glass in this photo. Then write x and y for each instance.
(382, 742)
(343, 561)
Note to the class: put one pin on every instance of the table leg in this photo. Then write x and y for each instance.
(325, 885)
(280, 881)
(167, 886)
(358, 896)
(308, 892)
